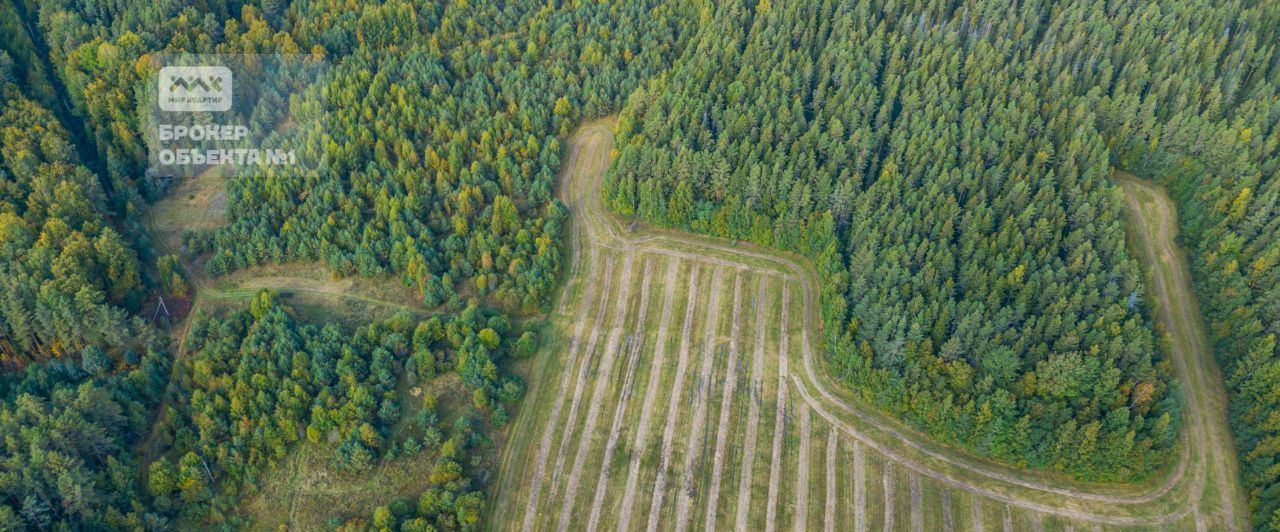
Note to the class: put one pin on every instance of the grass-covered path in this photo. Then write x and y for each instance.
(1154, 232)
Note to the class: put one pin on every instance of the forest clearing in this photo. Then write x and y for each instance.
(685, 391)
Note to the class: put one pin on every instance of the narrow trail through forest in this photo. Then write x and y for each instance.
(1156, 234)
(587, 302)
(580, 383)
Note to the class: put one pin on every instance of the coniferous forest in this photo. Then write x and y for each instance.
(947, 167)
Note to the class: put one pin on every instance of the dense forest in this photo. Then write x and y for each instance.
(948, 164)
(67, 274)
(441, 154)
(1229, 200)
(80, 374)
(437, 125)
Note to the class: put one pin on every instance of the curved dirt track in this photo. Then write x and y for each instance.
(1192, 353)
(1181, 499)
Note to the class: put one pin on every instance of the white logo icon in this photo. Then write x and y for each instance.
(194, 88)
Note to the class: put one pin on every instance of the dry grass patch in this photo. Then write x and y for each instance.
(198, 202)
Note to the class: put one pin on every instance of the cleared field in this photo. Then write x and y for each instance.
(198, 202)
(685, 392)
